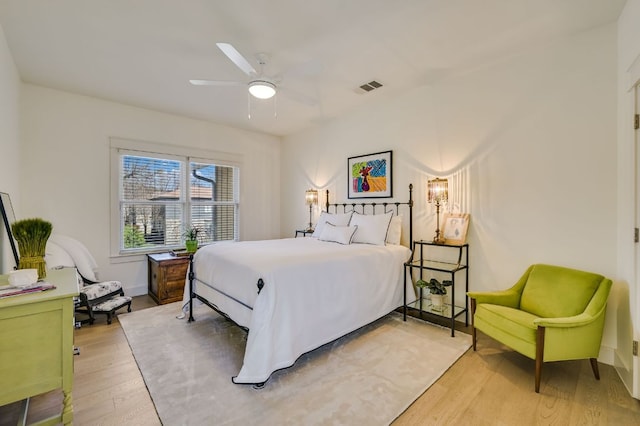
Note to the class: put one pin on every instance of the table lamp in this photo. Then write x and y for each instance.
(438, 193)
(311, 198)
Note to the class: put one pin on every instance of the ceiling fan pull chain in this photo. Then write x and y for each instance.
(248, 106)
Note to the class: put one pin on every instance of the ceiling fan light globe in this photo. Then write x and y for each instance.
(262, 89)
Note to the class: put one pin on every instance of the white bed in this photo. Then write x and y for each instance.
(312, 292)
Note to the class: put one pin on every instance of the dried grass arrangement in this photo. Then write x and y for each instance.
(31, 236)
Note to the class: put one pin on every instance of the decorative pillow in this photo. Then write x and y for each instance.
(337, 234)
(372, 229)
(395, 230)
(339, 219)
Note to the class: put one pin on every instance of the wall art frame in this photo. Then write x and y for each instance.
(370, 175)
(455, 227)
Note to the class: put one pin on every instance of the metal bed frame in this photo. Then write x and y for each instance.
(346, 207)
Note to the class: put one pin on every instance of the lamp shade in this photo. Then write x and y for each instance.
(311, 197)
(262, 89)
(437, 190)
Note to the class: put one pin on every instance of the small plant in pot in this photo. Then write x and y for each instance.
(191, 238)
(437, 289)
(32, 236)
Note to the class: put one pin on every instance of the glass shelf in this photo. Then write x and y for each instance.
(444, 310)
(436, 265)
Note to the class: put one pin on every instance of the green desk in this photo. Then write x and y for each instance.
(36, 342)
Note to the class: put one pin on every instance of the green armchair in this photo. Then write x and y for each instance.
(551, 314)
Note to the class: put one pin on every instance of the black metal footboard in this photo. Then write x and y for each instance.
(194, 295)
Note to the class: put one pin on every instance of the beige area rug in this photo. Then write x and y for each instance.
(367, 377)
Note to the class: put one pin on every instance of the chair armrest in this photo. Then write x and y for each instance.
(508, 298)
(566, 322)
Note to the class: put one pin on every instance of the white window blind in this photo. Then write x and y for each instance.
(160, 196)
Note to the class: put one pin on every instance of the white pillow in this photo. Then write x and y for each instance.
(395, 230)
(372, 229)
(337, 234)
(340, 219)
(82, 259)
(55, 256)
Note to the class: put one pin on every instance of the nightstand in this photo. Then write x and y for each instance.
(304, 232)
(446, 260)
(167, 275)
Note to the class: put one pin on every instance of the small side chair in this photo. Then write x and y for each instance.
(552, 313)
(96, 297)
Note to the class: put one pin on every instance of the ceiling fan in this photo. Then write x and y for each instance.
(260, 85)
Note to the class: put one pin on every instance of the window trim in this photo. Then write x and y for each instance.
(143, 148)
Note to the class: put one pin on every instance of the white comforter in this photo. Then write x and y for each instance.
(314, 292)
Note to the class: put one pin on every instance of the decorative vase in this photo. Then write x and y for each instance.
(32, 236)
(191, 245)
(437, 302)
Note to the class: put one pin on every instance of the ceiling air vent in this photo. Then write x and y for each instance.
(367, 87)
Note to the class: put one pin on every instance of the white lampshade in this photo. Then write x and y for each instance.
(262, 89)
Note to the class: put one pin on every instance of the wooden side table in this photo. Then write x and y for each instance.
(167, 274)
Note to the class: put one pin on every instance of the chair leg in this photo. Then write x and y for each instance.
(539, 355)
(473, 327)
(90, 313)
(594, 367)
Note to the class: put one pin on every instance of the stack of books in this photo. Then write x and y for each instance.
(7, 291)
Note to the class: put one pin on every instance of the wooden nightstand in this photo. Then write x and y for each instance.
(167, 274)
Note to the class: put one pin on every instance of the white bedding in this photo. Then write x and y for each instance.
(314, 292)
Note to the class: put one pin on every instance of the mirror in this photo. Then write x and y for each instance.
(8, 217)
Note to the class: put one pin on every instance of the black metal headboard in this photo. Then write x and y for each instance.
(386, 207)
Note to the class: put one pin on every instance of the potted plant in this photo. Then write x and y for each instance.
(31, 236)
(437, 289)
(191, 238)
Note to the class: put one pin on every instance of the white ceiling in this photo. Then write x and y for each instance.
(143, 52)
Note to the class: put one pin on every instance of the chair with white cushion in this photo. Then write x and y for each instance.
(96, 297)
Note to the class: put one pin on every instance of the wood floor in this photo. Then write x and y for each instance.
(493, 386)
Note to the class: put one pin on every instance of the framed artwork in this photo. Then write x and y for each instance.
(370, 176)
(455, 227)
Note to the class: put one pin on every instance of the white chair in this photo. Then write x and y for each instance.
(96, 297)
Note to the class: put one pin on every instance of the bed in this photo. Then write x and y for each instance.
(294, 295)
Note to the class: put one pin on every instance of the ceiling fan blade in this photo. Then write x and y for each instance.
(237, 58)
(216, 83)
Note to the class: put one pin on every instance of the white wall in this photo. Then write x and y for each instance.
(535, 135)
(9, 142)
(65, 172)
(628, 302)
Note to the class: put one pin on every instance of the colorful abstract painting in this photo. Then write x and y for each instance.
(370, 175)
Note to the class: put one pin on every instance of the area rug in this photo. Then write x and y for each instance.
(367, 377)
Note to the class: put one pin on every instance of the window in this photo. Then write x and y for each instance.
(160, 195)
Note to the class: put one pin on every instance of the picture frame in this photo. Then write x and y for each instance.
(370, 176)
(455, 227)
(8, 217)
